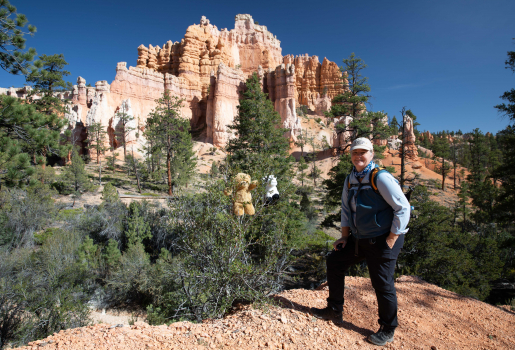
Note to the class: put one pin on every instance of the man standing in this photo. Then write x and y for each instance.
(373, 223)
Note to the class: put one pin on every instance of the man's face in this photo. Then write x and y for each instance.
(360, 158)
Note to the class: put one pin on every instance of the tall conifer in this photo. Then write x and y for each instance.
(171, 133)
(258, 140)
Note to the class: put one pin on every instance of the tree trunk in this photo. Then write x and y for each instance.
(100, 174)
(443, 174)
(455, 176)
(402, 155)
(169, 173)
(44, 162)
(136, 169)
(124, 145)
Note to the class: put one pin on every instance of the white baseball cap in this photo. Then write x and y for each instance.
(362, 143)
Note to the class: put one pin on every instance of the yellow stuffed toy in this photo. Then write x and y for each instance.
(242, 198)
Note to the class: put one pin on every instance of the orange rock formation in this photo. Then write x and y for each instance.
(314, 79)
(207, 69)
(410, 148)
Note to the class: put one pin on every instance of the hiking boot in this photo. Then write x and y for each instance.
(327, 313)
(381, 337)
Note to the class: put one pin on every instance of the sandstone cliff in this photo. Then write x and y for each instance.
(207, 69)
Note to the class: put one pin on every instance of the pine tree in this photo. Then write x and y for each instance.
(302, 141)
(394, 125)
(97, 137)
(440, 253)
(111, 160)
(137, 228)
(153, 154)
(12, 41)
(125, 128)
(109, 193)
(47, 77)
(369, 124)
(112, 254)
(171, 134)
(260, 149)
(75, 175)
(315, 171)
(482, 190)
(441, 149)
(259, 143)
(506, 171)
(352, 103)
(301, 166)
(23, 129)
(508, 109)
(135, 166)
(463, 196)
(334, 187)
(214, 169)
(454, 151)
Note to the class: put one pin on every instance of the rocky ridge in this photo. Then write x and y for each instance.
(430, 318)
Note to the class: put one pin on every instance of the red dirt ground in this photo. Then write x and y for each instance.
(429, 317)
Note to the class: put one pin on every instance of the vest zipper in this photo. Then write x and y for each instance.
(356, 224)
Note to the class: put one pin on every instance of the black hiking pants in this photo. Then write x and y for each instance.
(381, 266)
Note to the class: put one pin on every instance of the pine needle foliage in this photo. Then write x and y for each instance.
(13, 28)
(27, 137)
(441, 253)
(170, 133)
(258, 135)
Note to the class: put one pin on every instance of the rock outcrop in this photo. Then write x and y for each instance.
(342, 140)
(426, 135)
(314, 79)
(410, 149)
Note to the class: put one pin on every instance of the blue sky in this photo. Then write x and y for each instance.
(444, 60)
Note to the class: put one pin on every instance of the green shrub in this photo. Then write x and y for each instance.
(216, 258)
(42, 237)
(61, 187)
(24, 213)
(110, 193)
(150, 194)
(42, 291)
(442, 253)
(391, 169)
(66, 214)
(319, 240)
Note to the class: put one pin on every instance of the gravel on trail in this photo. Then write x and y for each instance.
(429, 317)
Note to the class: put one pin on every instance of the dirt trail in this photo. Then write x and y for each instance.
(430, 318)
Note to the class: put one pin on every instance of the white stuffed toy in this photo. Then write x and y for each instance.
(271, 194)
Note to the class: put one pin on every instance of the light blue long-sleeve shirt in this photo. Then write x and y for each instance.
(391, 192)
